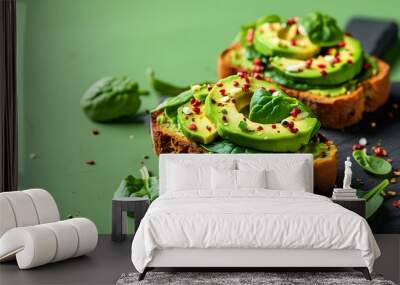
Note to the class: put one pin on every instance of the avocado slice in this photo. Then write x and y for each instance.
(281, 39)
(227, 105)
(193, 122)
(339, 64)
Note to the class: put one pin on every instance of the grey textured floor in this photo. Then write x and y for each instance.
(251, 278)
(103, 266)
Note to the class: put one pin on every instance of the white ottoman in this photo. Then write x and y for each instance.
(31, 232)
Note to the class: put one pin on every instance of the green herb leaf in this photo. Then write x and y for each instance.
(316, 148)
(268, 109)
(250, 53)
(372, 164)
(164, 88)
(172, 114)
(225, 146)
(321, 29)
(373, 197)
(268, 19)
(374, 204)
(175, 102)
(146, 186)
(112, 98)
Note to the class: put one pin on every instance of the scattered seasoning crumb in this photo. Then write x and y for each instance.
(390, 193)
(393, 180)
(396, 172)
(131, 137)
(373, 125)
(32, 155)
(90, 162)
(397, 204)
(146, 157)
(95, 132)
(362, 141)
(379, 151)
(390, 160)
(358, 146)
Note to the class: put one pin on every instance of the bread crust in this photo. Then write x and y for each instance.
(333, 112)
(166, 141)
(377, 88)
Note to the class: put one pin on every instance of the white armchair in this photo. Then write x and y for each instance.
(31, 231)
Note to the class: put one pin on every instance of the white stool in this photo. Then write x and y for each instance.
(31, 231)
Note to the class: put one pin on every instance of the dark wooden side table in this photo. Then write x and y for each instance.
(357, 205)
(138, 206)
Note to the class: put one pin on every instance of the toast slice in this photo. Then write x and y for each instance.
(169, 141)
(333, 112)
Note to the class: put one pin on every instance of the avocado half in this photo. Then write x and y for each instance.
(221, 113)
(331, 74)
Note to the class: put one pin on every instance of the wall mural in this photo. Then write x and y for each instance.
(283, 87)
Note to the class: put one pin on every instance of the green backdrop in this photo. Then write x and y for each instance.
(65, 45)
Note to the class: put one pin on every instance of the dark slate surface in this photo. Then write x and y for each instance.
(386, 132)
(377, 36)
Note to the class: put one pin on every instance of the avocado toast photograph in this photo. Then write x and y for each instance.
(313, 60)
(242, 114)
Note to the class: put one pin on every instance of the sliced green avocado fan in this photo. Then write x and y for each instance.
(245, 110)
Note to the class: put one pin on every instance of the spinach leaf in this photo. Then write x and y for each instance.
(372, 164)
(374, 197)
(175, 102)
(316, 148)
(268, 19)
(112, 98)
(225, 146)
(164, 88)
(321, 29)
(268, 108)
(172, 114)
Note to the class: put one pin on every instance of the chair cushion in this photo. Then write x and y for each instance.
(7, 220)
(26, 208)
(46, 207)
